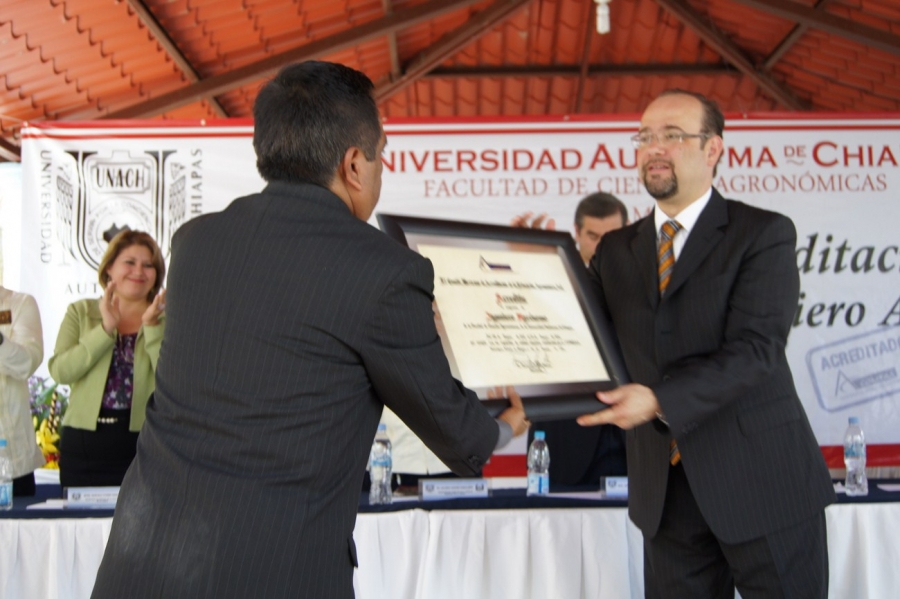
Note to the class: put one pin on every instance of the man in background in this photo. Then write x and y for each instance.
(21, 352)
(583, 455)
(291, 324)
(596, 215)
(726, 480)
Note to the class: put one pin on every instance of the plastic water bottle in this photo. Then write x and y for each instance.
(380, 464)
(538, 466)
(6, 485)
(856, 482)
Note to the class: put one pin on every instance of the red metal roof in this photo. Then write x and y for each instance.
(188, 59)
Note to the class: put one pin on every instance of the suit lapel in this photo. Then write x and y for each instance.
(643, 245)
(707, 232)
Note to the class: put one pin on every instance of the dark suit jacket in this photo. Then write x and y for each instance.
(713, 352)
(290, 324)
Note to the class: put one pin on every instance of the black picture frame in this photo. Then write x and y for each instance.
(543, 402)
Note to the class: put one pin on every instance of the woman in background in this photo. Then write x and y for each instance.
(106, 352)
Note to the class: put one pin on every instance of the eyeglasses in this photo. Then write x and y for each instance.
(667, 138)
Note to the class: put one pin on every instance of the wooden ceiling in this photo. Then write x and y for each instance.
(66, 60)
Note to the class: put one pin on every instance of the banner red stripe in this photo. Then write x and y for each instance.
(876, 455)
(506, 465)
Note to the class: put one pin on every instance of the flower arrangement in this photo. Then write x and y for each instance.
(48, 404)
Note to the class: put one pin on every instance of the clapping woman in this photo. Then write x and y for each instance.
(106, 352)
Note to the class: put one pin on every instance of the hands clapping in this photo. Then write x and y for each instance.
(527, 220)
(109, 308)
(151, 315)
(111, 312)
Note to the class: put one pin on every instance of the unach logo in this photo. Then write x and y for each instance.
(97, 195)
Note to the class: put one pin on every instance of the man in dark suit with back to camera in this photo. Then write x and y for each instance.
(291, 323)
(726, 480)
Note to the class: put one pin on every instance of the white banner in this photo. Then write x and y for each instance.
(837, 177)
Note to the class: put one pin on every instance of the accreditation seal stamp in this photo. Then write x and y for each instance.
(856, 370)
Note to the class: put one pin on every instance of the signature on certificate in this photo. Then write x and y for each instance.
(535, 363)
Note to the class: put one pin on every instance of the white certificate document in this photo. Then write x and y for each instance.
(511, 318)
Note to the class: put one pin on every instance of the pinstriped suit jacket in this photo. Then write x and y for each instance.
(713, 352)
(290, 324)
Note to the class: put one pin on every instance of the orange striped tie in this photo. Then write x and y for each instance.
(666, 253)
(666, 263)
(674, 454)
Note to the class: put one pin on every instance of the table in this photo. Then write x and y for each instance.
(522, 554)
(529, 549)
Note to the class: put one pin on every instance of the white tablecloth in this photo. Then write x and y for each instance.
(519, 554)
(490, 554)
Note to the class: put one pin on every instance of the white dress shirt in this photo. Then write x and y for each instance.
(687, 218)
(409, 454)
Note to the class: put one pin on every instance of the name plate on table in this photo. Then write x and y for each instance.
(615, 487)
(514, 306)
(91, 497)
(452, 488)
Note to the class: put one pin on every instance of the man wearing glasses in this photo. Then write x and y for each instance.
(727, 482)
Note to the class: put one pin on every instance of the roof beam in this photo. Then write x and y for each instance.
(732, 53)
(556, 8)
(9, 151)
(789, 40)
(589, 26)
(829, 23)
(574, 70)
(392, 42)
(218, 84)
(450, 44)
(168, 44)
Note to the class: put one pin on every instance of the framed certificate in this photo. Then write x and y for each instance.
(513, 306)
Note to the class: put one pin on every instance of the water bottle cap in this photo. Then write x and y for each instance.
(538, 435)
(2, 442)
(382, 426)
(854, 420)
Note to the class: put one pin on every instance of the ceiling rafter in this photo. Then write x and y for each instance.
(554, 45)
(171, 48)
(589, 26)
(9, 151)
(58, 55)
(392, 41)
(829, 23)
(789, 40)
(266, 67)
(574, 70)
(537, 34)
(531, 35)
(450, 44)
(732, 53)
